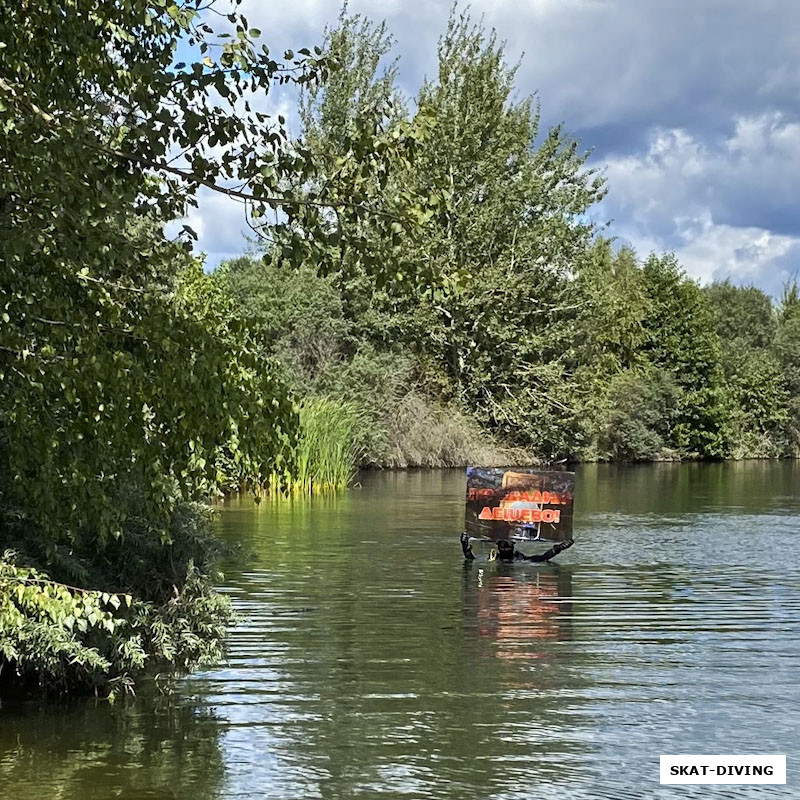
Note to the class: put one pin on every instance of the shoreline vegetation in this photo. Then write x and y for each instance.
(714, 379)
(424, 289)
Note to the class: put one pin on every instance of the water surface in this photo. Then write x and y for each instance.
(371, 662)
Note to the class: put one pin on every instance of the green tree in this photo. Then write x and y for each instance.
(484, 284)
(755, 387)
(609, 307)
(511, 232)
(758, 404)
(613, 305)
(296, 315)
(743, 315)
(363, 87)
(682, 339)
(639, 413)
(360, 94)
(496, 256)
(787, 337)
(787, 350)
(122, 368)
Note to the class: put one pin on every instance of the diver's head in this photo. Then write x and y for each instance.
(505, 546)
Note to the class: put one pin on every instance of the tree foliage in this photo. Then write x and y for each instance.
(757, 390)
(123, 371)
(682, 339)
(424, 260)
(639, 414)
(150, 606)
(488, 269)
(517, 310)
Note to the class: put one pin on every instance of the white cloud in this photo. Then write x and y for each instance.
(748, 255)
(712, 203)
(220, 225)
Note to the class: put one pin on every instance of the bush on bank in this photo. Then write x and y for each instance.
(142, 606)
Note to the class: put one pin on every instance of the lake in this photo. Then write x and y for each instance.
(370, 661)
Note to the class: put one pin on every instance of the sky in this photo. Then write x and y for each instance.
(691, 108)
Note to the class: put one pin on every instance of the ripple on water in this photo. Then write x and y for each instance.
(368, 662)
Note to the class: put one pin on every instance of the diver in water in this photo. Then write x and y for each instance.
(507, 552)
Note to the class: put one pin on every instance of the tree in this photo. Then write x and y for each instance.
(503, 247)
(613, 305)
(787, 350)
(122, 370)
(755, 388)
(607, 332)
(681, 339)
(787, 337)
(96, 323)
(638, 416)
(481, 286)
(757, 403)
(743, 315)
(361, 94)
(363, 87)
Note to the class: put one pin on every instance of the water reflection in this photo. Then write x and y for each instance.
(153, 747)
(368, 662)
(515, 607)
(730, 488)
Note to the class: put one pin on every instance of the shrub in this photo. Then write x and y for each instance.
(423, 433)
(640, 409)
(151, 606)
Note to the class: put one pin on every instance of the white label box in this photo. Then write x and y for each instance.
(723, 769)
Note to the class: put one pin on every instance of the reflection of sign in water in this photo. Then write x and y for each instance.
(519, 503)
(521, 615)
(513, 611)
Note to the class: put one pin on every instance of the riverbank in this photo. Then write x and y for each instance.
(687, 378)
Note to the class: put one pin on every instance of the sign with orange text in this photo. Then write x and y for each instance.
(519, 503)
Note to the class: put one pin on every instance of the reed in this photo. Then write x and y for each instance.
(327, 453)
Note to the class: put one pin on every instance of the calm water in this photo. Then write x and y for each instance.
(369, 661)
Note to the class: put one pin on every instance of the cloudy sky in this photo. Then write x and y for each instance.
(691, 107)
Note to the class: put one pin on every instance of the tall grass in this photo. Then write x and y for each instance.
(423, 433)
(327, 452)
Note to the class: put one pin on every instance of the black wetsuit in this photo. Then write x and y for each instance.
(507, 552)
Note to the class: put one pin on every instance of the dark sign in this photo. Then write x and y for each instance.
(519, 503)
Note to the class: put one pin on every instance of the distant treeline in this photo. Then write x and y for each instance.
(522, 333)
(640, 363)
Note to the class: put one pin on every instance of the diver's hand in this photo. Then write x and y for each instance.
(466, 547)
(561, 546)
